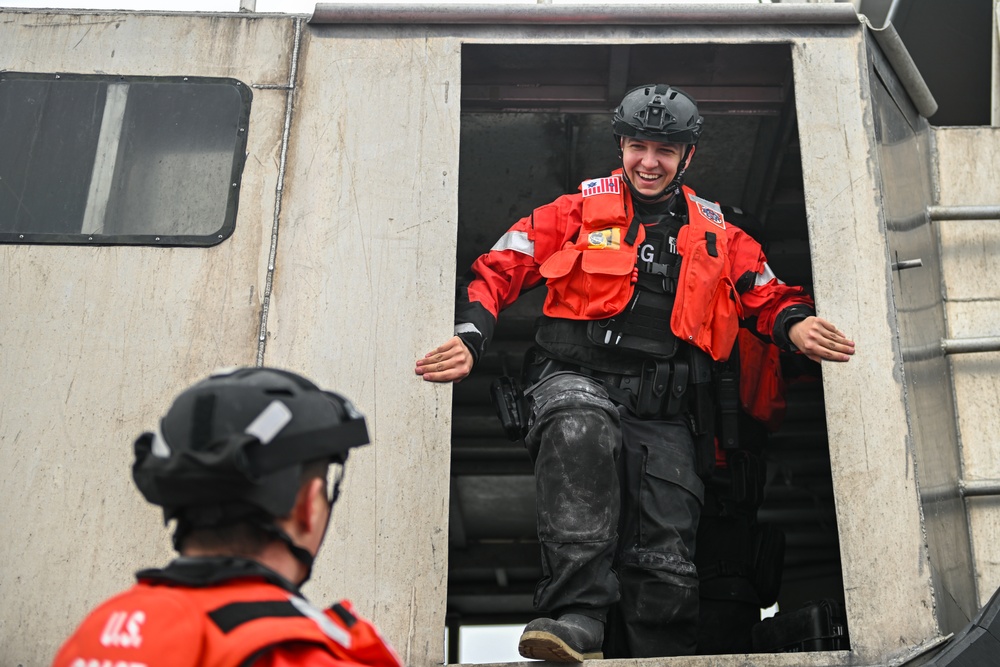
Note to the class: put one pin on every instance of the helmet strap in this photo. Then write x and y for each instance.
(184, 527)
(300, 554)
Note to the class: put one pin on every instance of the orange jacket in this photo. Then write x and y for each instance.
(224, 625)
(762, 386)
(591, 278)
(576, 245)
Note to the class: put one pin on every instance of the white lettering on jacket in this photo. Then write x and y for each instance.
(646, 253)
(122, 629)
(646, 250)
(95, 662)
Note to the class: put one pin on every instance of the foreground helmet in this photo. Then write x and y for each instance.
(235, 444)
(658, 112)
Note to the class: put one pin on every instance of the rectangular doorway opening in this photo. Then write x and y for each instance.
(536, 122)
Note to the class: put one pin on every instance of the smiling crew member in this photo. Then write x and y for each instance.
(647, 286)
(240, 461)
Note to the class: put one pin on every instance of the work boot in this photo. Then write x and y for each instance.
(570, 638)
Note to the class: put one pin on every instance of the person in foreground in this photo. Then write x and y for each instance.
(647, 286)
(240, 462)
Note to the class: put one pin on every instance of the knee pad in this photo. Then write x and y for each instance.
(564, 390)
(564, 406)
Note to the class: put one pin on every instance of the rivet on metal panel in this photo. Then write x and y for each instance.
(157, 238)
(220, 236)
(185, 78)
(234, 185)
(21, 236)
(90, 238)
(58, 77)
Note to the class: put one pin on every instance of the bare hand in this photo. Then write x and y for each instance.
(452, 362)
(820, 340)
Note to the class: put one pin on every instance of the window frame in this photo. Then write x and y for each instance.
(148, 239)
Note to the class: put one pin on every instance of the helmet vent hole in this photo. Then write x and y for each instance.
(278, 392)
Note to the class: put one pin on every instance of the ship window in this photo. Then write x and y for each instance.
(96, 159)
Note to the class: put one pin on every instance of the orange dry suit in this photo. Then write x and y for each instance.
(217, 612)
(762, 386)
(583, 247)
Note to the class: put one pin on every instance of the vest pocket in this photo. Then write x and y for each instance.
(706, 308)
(588, 284)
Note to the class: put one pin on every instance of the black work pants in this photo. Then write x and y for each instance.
(617, 502)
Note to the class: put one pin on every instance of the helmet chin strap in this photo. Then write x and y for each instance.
(297, 552)
(672, 188)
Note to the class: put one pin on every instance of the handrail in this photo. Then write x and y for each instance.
(988, 212)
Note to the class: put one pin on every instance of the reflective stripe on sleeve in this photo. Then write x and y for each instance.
(516, 241)
(467, 327)
(765, 276)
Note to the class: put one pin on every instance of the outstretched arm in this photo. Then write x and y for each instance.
(451, 362)
(820, 340)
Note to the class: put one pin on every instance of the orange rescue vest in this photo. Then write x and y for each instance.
(591, 278)
(216, 626)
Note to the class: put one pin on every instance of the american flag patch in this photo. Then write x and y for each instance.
(600, 186)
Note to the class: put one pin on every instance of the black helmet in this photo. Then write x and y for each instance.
(239, 439)
(658, 112)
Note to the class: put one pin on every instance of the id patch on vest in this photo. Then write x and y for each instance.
(606, 239)
(709, 210)
(600, 186)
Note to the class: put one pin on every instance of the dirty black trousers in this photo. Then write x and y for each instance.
(618, 502)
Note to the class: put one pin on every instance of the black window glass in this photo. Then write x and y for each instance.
(120, 160)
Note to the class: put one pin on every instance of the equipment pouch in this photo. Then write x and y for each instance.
(654, 383)
(678, 386)
(728, 396)
(508, 400)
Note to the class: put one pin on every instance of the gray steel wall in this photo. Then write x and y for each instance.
(904, 165)
(97, 340)
(366, 281)
(887, 583)
(967, 172)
